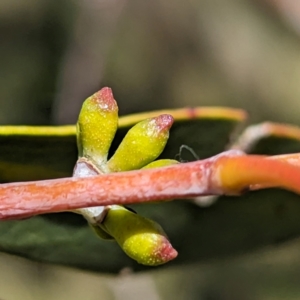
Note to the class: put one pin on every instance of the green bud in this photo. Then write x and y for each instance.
(97, 125)
(140, 238)
(142, 144)
(101, 232)
(161, 163)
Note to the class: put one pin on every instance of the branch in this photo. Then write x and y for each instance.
(230, 172)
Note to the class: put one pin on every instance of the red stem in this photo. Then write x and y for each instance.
(256, 172)
(19, 200)
(230, 172)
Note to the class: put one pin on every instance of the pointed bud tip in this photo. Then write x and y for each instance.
(105, 99)
(165, 252)
(161, 252)
(164, 122)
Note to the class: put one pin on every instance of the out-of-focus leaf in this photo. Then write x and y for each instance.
(233, 225)
(33, 153)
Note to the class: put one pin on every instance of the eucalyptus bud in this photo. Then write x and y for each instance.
(97, 125)
(140, 238)
(143, 143)
(161, 163)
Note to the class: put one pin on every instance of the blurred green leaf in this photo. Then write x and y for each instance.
(233, 225)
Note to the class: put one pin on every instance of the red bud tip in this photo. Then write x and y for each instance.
(105, 99)
(164, 122)
(164, 252)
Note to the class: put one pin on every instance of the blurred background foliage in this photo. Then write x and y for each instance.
(154, 54)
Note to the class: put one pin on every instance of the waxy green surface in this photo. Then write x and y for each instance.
(140, 238)
(96, 126)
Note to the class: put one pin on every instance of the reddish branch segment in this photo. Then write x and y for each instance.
(257, 172)
(227, 173)
(293, 159)
(30, 198)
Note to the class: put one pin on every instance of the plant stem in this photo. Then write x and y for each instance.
(227, 173)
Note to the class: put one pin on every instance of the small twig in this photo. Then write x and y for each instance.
(255, 133)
